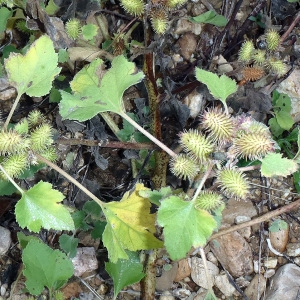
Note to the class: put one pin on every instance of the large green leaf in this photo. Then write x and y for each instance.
(125, 271)
(95, 92)
(219, 87)
(129, 225)
(273, 164)
(33, 72)
(39, 207)
(184, 226)
(45, 267)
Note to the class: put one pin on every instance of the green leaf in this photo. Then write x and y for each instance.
(125, 271)
(283, 102)
(39, 207)
(126, 133)
(45, 267)
(93, 209)
(155, 196)
(278, 225)
(129, 226)
(5, 14)
(274, 165)
(219, 87)
(284, 119)
(33, 72)
(210, 17)
(25, 239)
(6, 188)
(68, 244)
(91, 97)
(275, 128)
(79, 220)
(184, 226)
(296, 177)
(98, 230)
(89, 31)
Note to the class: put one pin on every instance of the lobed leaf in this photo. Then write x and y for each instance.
(39, 208)
(184, 226)
(129, 225)
(95, 92)
(33, 72)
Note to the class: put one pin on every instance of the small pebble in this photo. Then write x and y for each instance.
(166, 296)
(269, 273)
(3, 289)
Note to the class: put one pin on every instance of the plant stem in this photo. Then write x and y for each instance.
(201, 184)
(11, 180)
(12, 111)
(70, 178)
(110, 122)
(148, 135)
(207, 275)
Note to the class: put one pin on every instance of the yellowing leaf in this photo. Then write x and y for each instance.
(33, 72)
(39, 207)
(129, 225)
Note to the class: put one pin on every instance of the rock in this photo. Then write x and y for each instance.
(72, 289)
(165, 281)
(279, 238)
(269, 273)
(195, 101)
(187, 44)
(285, 283)
(184, 270)
(291, 87)
(166, 296)
(256, 287)
(235, 208)
(184, 26)
(198, 272)
(5, 240)
(223, 284)
(270, 262)
(293, 249)
(210, 256)
(84, 261)
(234, 253)
(181, 293)
(223, 65)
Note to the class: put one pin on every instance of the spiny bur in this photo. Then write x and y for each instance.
(184, 167)
(196, 145)
(233, 183)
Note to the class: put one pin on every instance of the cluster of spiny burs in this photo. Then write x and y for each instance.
(19, 144)
(262, 60)
(232, 137)
(158, 11)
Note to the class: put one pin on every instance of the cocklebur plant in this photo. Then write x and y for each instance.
(130, 224)
(262, 60)
(157, 11)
